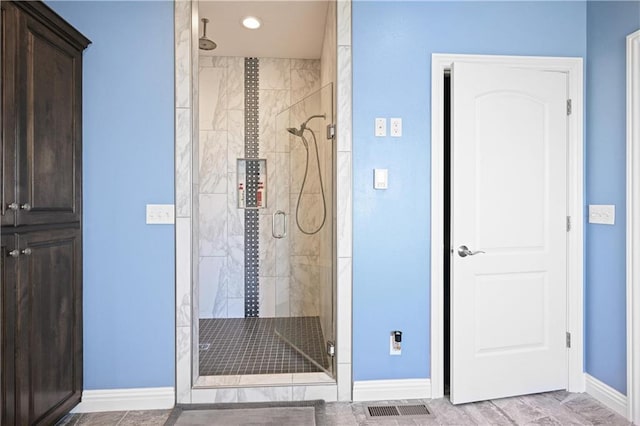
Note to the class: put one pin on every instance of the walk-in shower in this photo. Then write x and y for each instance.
(265, 289)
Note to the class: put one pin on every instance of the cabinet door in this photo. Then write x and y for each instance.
(8, 33)
(50, 152)
(49, 357)
(8, 280)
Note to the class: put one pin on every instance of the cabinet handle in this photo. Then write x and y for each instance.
(14, 253)
(26, 206)
(13, 206)
(27, 252)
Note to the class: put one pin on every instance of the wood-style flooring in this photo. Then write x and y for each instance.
(551, 408)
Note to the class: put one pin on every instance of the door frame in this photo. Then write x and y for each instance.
(633, 227)
(573, 67)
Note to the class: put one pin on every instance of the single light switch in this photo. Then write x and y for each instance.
(601, 213)
(380, 178)
(381, 127)
(159, 214)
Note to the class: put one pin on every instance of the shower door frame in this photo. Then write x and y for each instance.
(186, 17)
(317, 104)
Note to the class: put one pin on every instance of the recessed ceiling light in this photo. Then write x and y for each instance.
(251, 22)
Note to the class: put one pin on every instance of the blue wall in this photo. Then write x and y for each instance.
(392, 47)
(608, 24)
(128, 162)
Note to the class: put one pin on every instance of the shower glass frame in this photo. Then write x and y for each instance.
(308, 263)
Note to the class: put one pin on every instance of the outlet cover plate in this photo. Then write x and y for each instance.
(602, 213)
(395, 348)
(396, 127)
(160, 214)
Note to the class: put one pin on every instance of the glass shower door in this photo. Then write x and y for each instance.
(302, 225)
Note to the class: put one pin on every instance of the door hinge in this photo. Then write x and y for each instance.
(568, 223)
(331, 131)
(569, 108)
(568, 339)
(331, 348)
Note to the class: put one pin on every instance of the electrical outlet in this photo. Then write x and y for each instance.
(396, 127)
(395, 348)
(603, 214)
(158, 214)
(381, 127)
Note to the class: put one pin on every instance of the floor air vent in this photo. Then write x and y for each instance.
(374, 411)
(383, 411)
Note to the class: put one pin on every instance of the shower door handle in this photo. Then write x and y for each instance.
(284, 225)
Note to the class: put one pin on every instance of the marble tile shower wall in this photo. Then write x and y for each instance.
(221, 223)
(286, 287)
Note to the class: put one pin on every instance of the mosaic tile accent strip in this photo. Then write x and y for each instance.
(251, 218)
(240, 346)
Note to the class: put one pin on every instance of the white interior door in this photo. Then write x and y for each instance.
(509, 200)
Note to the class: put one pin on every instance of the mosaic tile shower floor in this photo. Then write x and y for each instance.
(239, 346)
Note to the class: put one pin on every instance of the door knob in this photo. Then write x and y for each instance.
(463, 251)
(27, 252)
(14, 253)
(13, 206)
(26, 206)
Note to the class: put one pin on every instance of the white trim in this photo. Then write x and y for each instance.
(573, 67)
(378, 390)
(633, 227)
(126, 400)
(607, 395)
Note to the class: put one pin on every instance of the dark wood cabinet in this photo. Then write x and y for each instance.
(41, 212)
(42, 110)
(45, 300)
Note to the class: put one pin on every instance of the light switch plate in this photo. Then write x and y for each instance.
(380, 178)
(602, 213)
(160, 214)
(381, 127)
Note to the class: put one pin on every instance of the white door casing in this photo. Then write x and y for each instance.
(633, 227)
(573, 69)
(508, 305)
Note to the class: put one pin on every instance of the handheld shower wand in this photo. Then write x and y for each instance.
(300, 133)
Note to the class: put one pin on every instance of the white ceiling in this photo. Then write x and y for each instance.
(290, 29)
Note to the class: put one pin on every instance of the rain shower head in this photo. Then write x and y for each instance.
(205, 43)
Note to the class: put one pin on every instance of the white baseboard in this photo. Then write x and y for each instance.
(377, 390)
(126, 400)
(607, 395)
